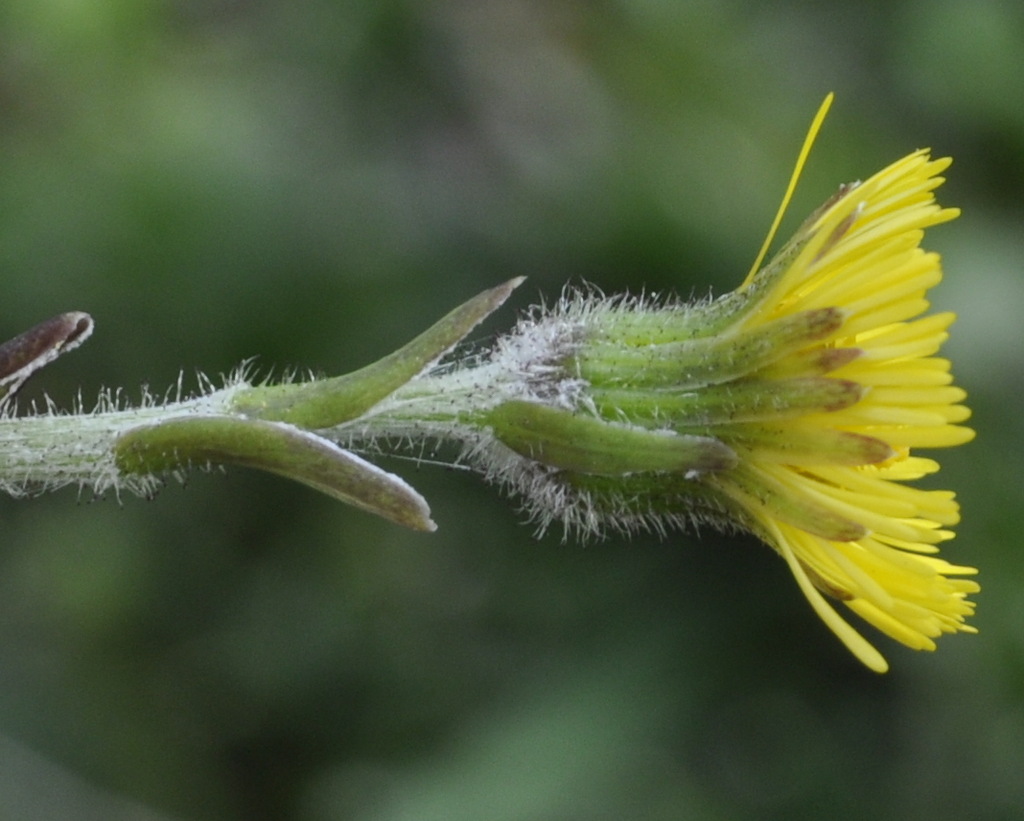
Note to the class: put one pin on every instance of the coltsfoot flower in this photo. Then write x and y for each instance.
(791, 408)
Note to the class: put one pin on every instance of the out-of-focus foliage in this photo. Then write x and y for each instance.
(313, 183)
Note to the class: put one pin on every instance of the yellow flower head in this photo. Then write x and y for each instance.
(791, 408)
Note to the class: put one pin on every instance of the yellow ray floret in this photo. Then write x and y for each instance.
(849, 529)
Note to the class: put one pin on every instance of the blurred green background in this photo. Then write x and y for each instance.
(312, 183)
